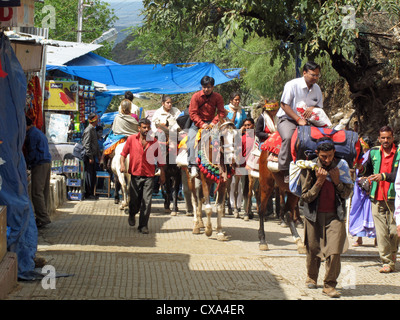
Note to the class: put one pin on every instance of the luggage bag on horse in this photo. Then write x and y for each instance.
(304, 143)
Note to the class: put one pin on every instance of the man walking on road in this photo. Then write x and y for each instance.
(143, 154)
(92, 151)
(324, 191)
(381, 169)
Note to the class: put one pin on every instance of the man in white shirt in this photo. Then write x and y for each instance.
(298, 93)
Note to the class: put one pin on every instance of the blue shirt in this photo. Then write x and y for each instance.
(37, 148)
(240, 117)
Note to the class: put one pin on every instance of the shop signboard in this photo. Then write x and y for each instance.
(17, 13)
(61, 95)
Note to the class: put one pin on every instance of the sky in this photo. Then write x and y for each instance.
(127, 11)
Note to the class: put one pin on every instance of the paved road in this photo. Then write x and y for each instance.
(107, 259)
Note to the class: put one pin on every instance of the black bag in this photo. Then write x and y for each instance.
(184, 120)
(79, 151)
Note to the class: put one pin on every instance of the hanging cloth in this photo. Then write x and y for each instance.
(34, 102)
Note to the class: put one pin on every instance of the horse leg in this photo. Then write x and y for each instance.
(291, 206)
(166, 190)
(208, 208)
(230, 210)
(277, 202)
(124, 189)
(247, 196)
(282, 212)
(297, 219)
(235, 196)
(196, 201)
(117, 189)
(266, 186)
(221, 236)
(176, 182)
(265, 194)
(257, 195)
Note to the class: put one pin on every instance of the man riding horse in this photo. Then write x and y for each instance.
(123, 126)
(297, 92)
(202, 108)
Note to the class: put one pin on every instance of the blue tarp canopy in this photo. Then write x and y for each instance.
(162, 79)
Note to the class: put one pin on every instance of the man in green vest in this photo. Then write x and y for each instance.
(381, 169)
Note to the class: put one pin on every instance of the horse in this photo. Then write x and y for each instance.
(123, 178)
(268, 179)
(216, 164)
(170, 189)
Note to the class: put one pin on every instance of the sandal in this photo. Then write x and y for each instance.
(386, 269)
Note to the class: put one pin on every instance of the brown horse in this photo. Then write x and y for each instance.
(252, 188)
(216, 164)
(267, 182)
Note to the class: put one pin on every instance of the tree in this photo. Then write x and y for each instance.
(98, 18)
(359, 37)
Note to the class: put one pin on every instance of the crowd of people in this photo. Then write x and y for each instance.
(375, 194)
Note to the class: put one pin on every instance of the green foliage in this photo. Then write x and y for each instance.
(307, 28)
(164, 46)
(98, 18)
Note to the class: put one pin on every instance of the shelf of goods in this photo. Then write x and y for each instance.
(73, 170)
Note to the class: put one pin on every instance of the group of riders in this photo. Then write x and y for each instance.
(252, 135)
(325, 177)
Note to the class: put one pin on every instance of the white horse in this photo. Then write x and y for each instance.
(123, 178)
(216, 144)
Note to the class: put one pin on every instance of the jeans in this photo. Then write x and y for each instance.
(192, 153)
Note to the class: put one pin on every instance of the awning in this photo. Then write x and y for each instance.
(58, 52)
(161, 79)
(61, 52)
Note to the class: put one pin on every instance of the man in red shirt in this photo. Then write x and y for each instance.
(381, 169)
(203, 106)
(325, 212)
(144, 153)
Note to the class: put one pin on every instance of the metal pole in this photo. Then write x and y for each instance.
(80, 19)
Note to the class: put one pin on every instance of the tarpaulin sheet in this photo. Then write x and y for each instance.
(22, 236)
(161, 79)
(169, 79)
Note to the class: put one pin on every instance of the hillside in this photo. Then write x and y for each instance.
(121, 54)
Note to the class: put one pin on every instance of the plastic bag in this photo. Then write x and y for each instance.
(318, 117)
(182, 158)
